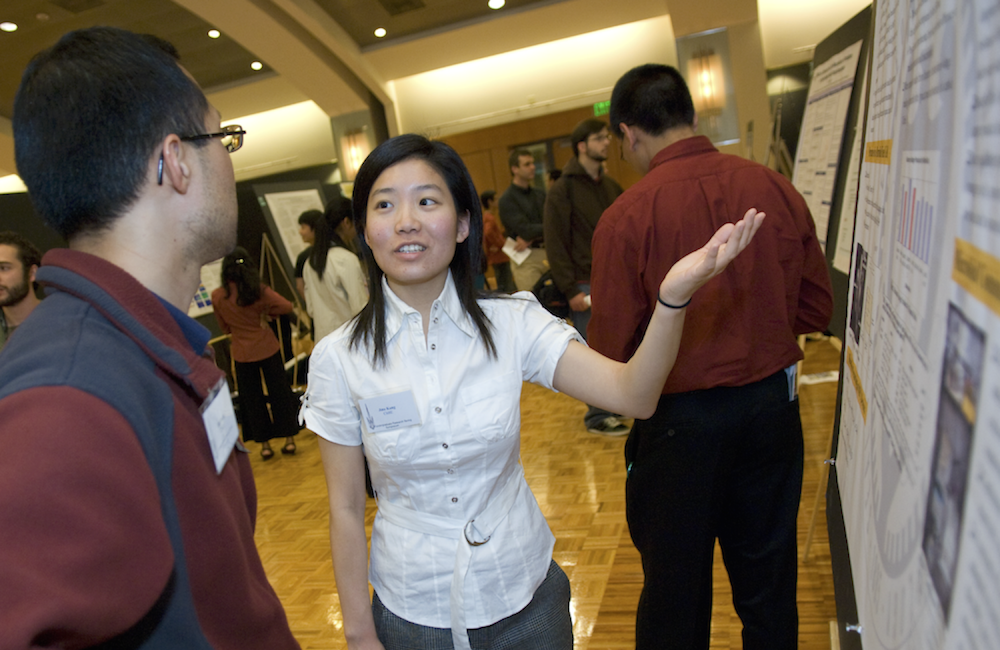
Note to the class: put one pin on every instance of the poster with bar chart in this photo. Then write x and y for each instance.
(918, 446)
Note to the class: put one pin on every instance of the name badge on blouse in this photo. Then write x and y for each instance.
(220, 423)
(389, 412)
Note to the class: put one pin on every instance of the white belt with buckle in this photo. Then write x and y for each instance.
(470, 534)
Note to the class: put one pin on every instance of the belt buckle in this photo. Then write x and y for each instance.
(465, 531)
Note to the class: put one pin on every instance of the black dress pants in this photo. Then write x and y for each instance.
(260, 425)
(721, 463)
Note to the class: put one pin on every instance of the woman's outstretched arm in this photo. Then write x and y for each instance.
(633, 389)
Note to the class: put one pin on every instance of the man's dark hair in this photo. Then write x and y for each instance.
(514, 159)
(487, 198)
(370, 327)
(27, 253)
(584, 130)
(555, 174)
(652, 97)
(89, 116)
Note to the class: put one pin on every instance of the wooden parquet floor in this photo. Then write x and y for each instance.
(578, 479)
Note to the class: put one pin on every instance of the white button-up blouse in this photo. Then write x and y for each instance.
(464, 450)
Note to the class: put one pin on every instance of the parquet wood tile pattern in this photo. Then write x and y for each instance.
(579, 481)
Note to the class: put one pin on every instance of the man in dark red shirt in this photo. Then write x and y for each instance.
(722, 455)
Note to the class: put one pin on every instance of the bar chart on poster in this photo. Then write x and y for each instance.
(919, 195)
(918, 457)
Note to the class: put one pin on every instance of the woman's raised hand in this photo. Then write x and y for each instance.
(697, 268)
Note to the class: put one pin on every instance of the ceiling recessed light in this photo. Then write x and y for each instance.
(495, 4)
(214, 33)
(8, 27)
(380, 32)
(42, 16)
(256, 65)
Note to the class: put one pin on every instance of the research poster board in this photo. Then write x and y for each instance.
(282, 203)
(818, 156)
(918, 458)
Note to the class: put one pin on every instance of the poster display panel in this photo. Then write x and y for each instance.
(282, 204)
(818, 156)
(919, 453)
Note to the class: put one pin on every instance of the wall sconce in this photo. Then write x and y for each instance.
(707, 84)
(356, 149)
(703, 59)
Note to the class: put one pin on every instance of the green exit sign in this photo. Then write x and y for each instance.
(602, 108)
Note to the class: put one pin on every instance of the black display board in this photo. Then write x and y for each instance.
(859, 28)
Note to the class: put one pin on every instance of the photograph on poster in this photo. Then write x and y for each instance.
(960, 382)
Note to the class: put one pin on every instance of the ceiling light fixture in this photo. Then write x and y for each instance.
(8, 27)
(380, 32)
(257, 65)
(214, 33)
(495, 4)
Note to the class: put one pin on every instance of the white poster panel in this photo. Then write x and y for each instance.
(822, 134)
(918, 461)
(285, 208)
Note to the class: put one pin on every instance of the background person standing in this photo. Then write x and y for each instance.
(522, 207)
(721, 457)
(243, 306)
(493, 241)
(334, 281)
(573, 206)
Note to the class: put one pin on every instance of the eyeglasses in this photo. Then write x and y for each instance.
(232, 137)
(232, 140)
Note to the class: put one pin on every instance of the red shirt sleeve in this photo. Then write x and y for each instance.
(274, 303)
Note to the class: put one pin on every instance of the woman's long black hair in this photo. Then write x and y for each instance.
(369, 327)
(239, 269)
(325, 233)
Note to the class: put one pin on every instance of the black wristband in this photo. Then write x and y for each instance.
(667, 304)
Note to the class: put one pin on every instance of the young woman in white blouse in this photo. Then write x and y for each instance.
(428, 379)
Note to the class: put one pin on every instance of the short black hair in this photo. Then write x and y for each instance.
(653, 97)
(514, 159)
(584, 130)
(88, 117)
(27, 253)
(487, 198)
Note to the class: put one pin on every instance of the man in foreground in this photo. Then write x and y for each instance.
(128, 518)
(722, 455)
